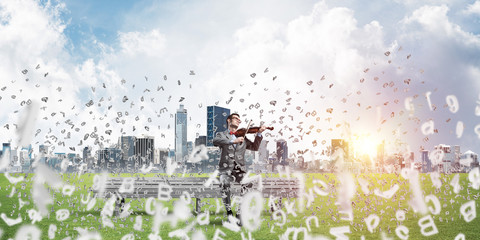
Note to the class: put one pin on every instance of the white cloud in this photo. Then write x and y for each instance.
(151, 43)
(435, 22)
(473, 8)
(33, 40)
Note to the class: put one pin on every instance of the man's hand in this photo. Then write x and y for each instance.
(262, 128)
(238, 140)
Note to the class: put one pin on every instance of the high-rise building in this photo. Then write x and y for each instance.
(55, 161)
(410, 161)
(381, 153)
(189, 147)
(160, 159)
(127, 146)
(24, 160)
(216, 122)
(7, 152)
(109, 158)
(448, 157)
(426, 163)
(456, 151)
(144, 151)
(340, 144)
(181, 134)
(282, 152)
(87, 152)
(29, 150)
(263, 152)
(87, 157)
(171, 154)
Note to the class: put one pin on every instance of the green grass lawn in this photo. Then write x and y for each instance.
(449, 221)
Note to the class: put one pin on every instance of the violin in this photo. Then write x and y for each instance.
(241, 132)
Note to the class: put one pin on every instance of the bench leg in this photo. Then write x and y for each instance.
(197, 205)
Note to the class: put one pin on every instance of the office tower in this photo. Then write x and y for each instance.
(201, 140)
(381, 153)
(55, 162)
(263, 152)
(340, 144)
(144, 151)
(29, 150)
(24, 161)
(189, 147)
(87, 152)
(171, 154)
(7, 152)
(456, 151)
(216, 122)
(181, 134)
(282, 152)
(87, 157)
(160, 159)
(426, 163)
(411, 160)
(448, 157)
(127, 146)
(109, 158)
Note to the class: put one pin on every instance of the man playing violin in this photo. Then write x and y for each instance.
(232, 161)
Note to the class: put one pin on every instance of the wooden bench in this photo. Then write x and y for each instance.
(148, 187)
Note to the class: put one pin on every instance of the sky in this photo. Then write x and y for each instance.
(82, 73)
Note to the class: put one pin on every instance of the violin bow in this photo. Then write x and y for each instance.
(248, 127)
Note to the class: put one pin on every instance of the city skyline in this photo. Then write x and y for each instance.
(220, 114)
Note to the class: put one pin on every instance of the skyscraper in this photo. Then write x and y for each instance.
(160, 159)
(282, 152)
(216, 122)
(341, 144)
(127, 146)
(7, 151)
(109, 158)
(87, 157)
(180, 134)
(426, 163)
(381, 153)
(263, 152)
(144, 151)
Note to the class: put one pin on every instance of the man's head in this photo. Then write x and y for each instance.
(233, 120)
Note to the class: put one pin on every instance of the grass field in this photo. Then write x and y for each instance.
(449, 222)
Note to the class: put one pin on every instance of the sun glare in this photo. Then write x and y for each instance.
(365, 145)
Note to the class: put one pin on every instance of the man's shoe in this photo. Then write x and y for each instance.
(239, 222)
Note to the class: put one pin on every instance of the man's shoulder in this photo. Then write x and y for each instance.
(222, 133)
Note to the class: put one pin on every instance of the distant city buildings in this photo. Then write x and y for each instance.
(132, 153)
